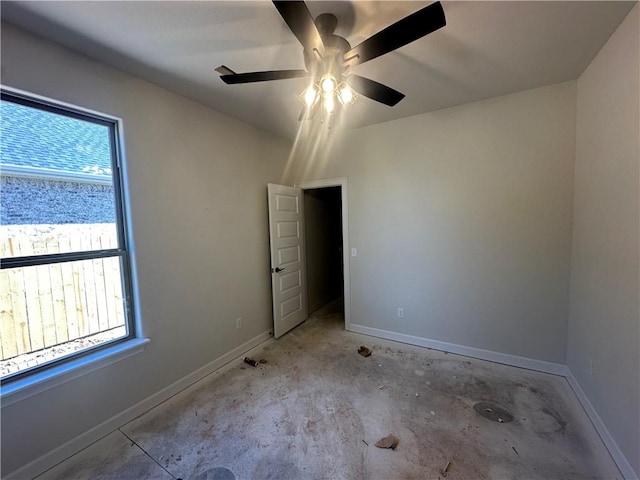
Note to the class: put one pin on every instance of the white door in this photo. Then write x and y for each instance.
(288, 275)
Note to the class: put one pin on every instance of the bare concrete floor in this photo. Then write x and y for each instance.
(316, 409)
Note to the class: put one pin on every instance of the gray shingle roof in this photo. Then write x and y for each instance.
(34, 138)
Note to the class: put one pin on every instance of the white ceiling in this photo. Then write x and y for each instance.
(486, 49)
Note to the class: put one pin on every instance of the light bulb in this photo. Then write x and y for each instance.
(328, 84)
(310, 96)
(346, 94)
(329, 104)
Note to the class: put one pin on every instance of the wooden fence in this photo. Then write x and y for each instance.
(46, 305)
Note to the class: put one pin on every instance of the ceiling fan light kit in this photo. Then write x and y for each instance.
(326, 91)
(329, 58)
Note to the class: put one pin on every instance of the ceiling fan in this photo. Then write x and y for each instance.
(329, 58)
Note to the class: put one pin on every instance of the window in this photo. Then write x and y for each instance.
(64, 269)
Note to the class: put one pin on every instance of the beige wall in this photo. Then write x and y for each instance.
(463, 217)
(604, 321)
(198, 200)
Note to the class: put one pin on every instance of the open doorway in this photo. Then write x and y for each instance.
(327, 244)
(323, 243)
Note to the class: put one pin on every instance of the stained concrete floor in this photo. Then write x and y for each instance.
(316, 409)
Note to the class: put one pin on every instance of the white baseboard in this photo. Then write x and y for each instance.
(512, 360)
(61, 453)
(621, 461)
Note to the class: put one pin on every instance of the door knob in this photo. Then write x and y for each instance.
(277, 270)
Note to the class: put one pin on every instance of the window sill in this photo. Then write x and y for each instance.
(57, 375)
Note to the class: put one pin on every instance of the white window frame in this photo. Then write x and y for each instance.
(33, 381)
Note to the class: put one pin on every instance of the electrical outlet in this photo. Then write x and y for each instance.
(238, 323)
(400, 312)
(354, 252)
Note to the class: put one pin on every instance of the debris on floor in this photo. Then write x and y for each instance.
(446, 469)
(364, 351)
(250, 361)
(514, 449)
(263, 360)
(390, 441)
(382, 387)
(365, 443)
(493, 412)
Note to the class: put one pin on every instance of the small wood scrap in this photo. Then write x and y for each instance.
(390, 441)
(363, 441)
(382, 387)
(263, 360)
(514, 449)
(445, 470)
(364, 351)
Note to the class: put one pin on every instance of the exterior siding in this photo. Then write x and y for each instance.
(26, 201)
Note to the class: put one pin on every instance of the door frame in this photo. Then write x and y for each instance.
(342, 183)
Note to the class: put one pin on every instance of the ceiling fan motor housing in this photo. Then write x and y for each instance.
(335, 47)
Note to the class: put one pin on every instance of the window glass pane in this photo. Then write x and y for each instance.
(56, 183)
(52, 311)
(25, 240)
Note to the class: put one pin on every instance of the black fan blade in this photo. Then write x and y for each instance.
(251, 77)
(401, 33)
(297, 17)
(374, 90)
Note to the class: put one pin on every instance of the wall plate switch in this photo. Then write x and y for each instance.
(238, 323)
(400, 312)
(354, 252)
